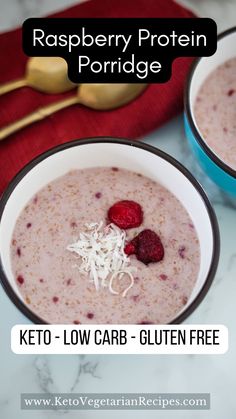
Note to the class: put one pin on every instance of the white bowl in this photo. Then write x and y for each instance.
(126, 154)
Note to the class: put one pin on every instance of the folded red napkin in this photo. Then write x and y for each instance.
(158, 104)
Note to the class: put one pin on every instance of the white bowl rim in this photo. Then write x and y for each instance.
(188, 111)
(84, 141)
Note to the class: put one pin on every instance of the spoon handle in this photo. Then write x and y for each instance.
(37, 115)
(12, 85)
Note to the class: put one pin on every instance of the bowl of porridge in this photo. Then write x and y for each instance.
(210, 112)
(106, 231)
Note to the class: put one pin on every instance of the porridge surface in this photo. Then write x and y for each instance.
(45, 270)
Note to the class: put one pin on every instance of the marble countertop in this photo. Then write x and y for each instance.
(183, 373)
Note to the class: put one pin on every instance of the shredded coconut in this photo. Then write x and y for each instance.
(102, 252)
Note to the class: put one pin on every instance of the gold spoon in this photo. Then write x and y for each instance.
(95, 96)
(46, 74)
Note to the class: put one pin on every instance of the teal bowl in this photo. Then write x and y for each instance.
(222, 174)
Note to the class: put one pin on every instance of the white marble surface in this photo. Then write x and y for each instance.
(214, 374)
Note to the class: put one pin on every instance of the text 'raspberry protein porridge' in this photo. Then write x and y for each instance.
(105, 245)
(215, 112)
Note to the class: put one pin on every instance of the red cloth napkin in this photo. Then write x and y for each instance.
(158, 104)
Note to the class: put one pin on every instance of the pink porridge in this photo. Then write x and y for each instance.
(215, 112)
(69, 214)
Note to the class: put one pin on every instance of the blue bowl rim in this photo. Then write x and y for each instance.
(188, 113)
(111, 140)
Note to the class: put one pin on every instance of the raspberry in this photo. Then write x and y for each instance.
(163, 277)
(20, 279)
(130, 249)
(147, 246)
(150, 248)
(73, 224)
(230, 92)
(126, 214)
(181, 251)
(55, 299)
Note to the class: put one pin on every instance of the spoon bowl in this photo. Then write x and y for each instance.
(48, 75)
(108, 96)
(45, 74)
